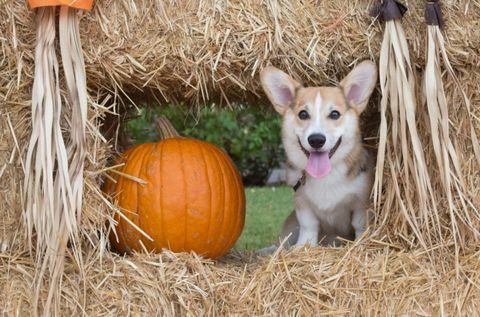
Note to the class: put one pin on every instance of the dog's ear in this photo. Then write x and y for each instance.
(359, 84)
(279, 87)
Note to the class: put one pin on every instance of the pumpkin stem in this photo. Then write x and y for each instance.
(166, 129)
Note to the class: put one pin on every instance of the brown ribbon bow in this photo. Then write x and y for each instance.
(388, 10)
(433, 13)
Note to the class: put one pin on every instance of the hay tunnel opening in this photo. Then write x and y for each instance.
(249, 131)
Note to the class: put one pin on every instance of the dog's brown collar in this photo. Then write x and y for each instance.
(301, 181)
(303, 178)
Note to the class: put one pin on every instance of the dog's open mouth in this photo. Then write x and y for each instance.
(319, 165)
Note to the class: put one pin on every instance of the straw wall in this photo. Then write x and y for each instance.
(198, 51)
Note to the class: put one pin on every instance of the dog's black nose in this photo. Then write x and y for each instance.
(316, 140)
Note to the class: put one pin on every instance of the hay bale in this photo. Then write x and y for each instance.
(208, 50)
(370, 279)
(199, 51)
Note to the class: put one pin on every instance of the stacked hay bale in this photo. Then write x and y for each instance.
(202, 51)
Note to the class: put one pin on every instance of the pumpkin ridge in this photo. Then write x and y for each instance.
(209, 190)
(235, 202)
(185, 190)
(121, 228)
(219, 165)
(160, 149)
(235, 206)
(123, 224)
(140, 214)
(152, 179)
(226, 198)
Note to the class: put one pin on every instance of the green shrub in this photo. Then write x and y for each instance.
(251, 136)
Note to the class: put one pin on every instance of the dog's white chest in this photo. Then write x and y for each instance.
(332, 190)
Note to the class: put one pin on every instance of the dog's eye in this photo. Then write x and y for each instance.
(334, 115)
(303, 115)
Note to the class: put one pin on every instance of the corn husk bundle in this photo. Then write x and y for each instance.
(404, 155)
(460, 207)
(54, 167)
(400, 145)
(46, 176)
(192, 51)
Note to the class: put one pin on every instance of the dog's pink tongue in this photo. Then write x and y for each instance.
(318, 164)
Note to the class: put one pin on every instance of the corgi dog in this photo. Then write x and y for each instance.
(331, 169)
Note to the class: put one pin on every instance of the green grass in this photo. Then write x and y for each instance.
(267, 208)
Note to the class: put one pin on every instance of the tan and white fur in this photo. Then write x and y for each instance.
(333, 205)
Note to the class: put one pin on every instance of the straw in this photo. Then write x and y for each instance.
(151, 51)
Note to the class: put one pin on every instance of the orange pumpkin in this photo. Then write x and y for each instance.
(78, 4)
(193, 199)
